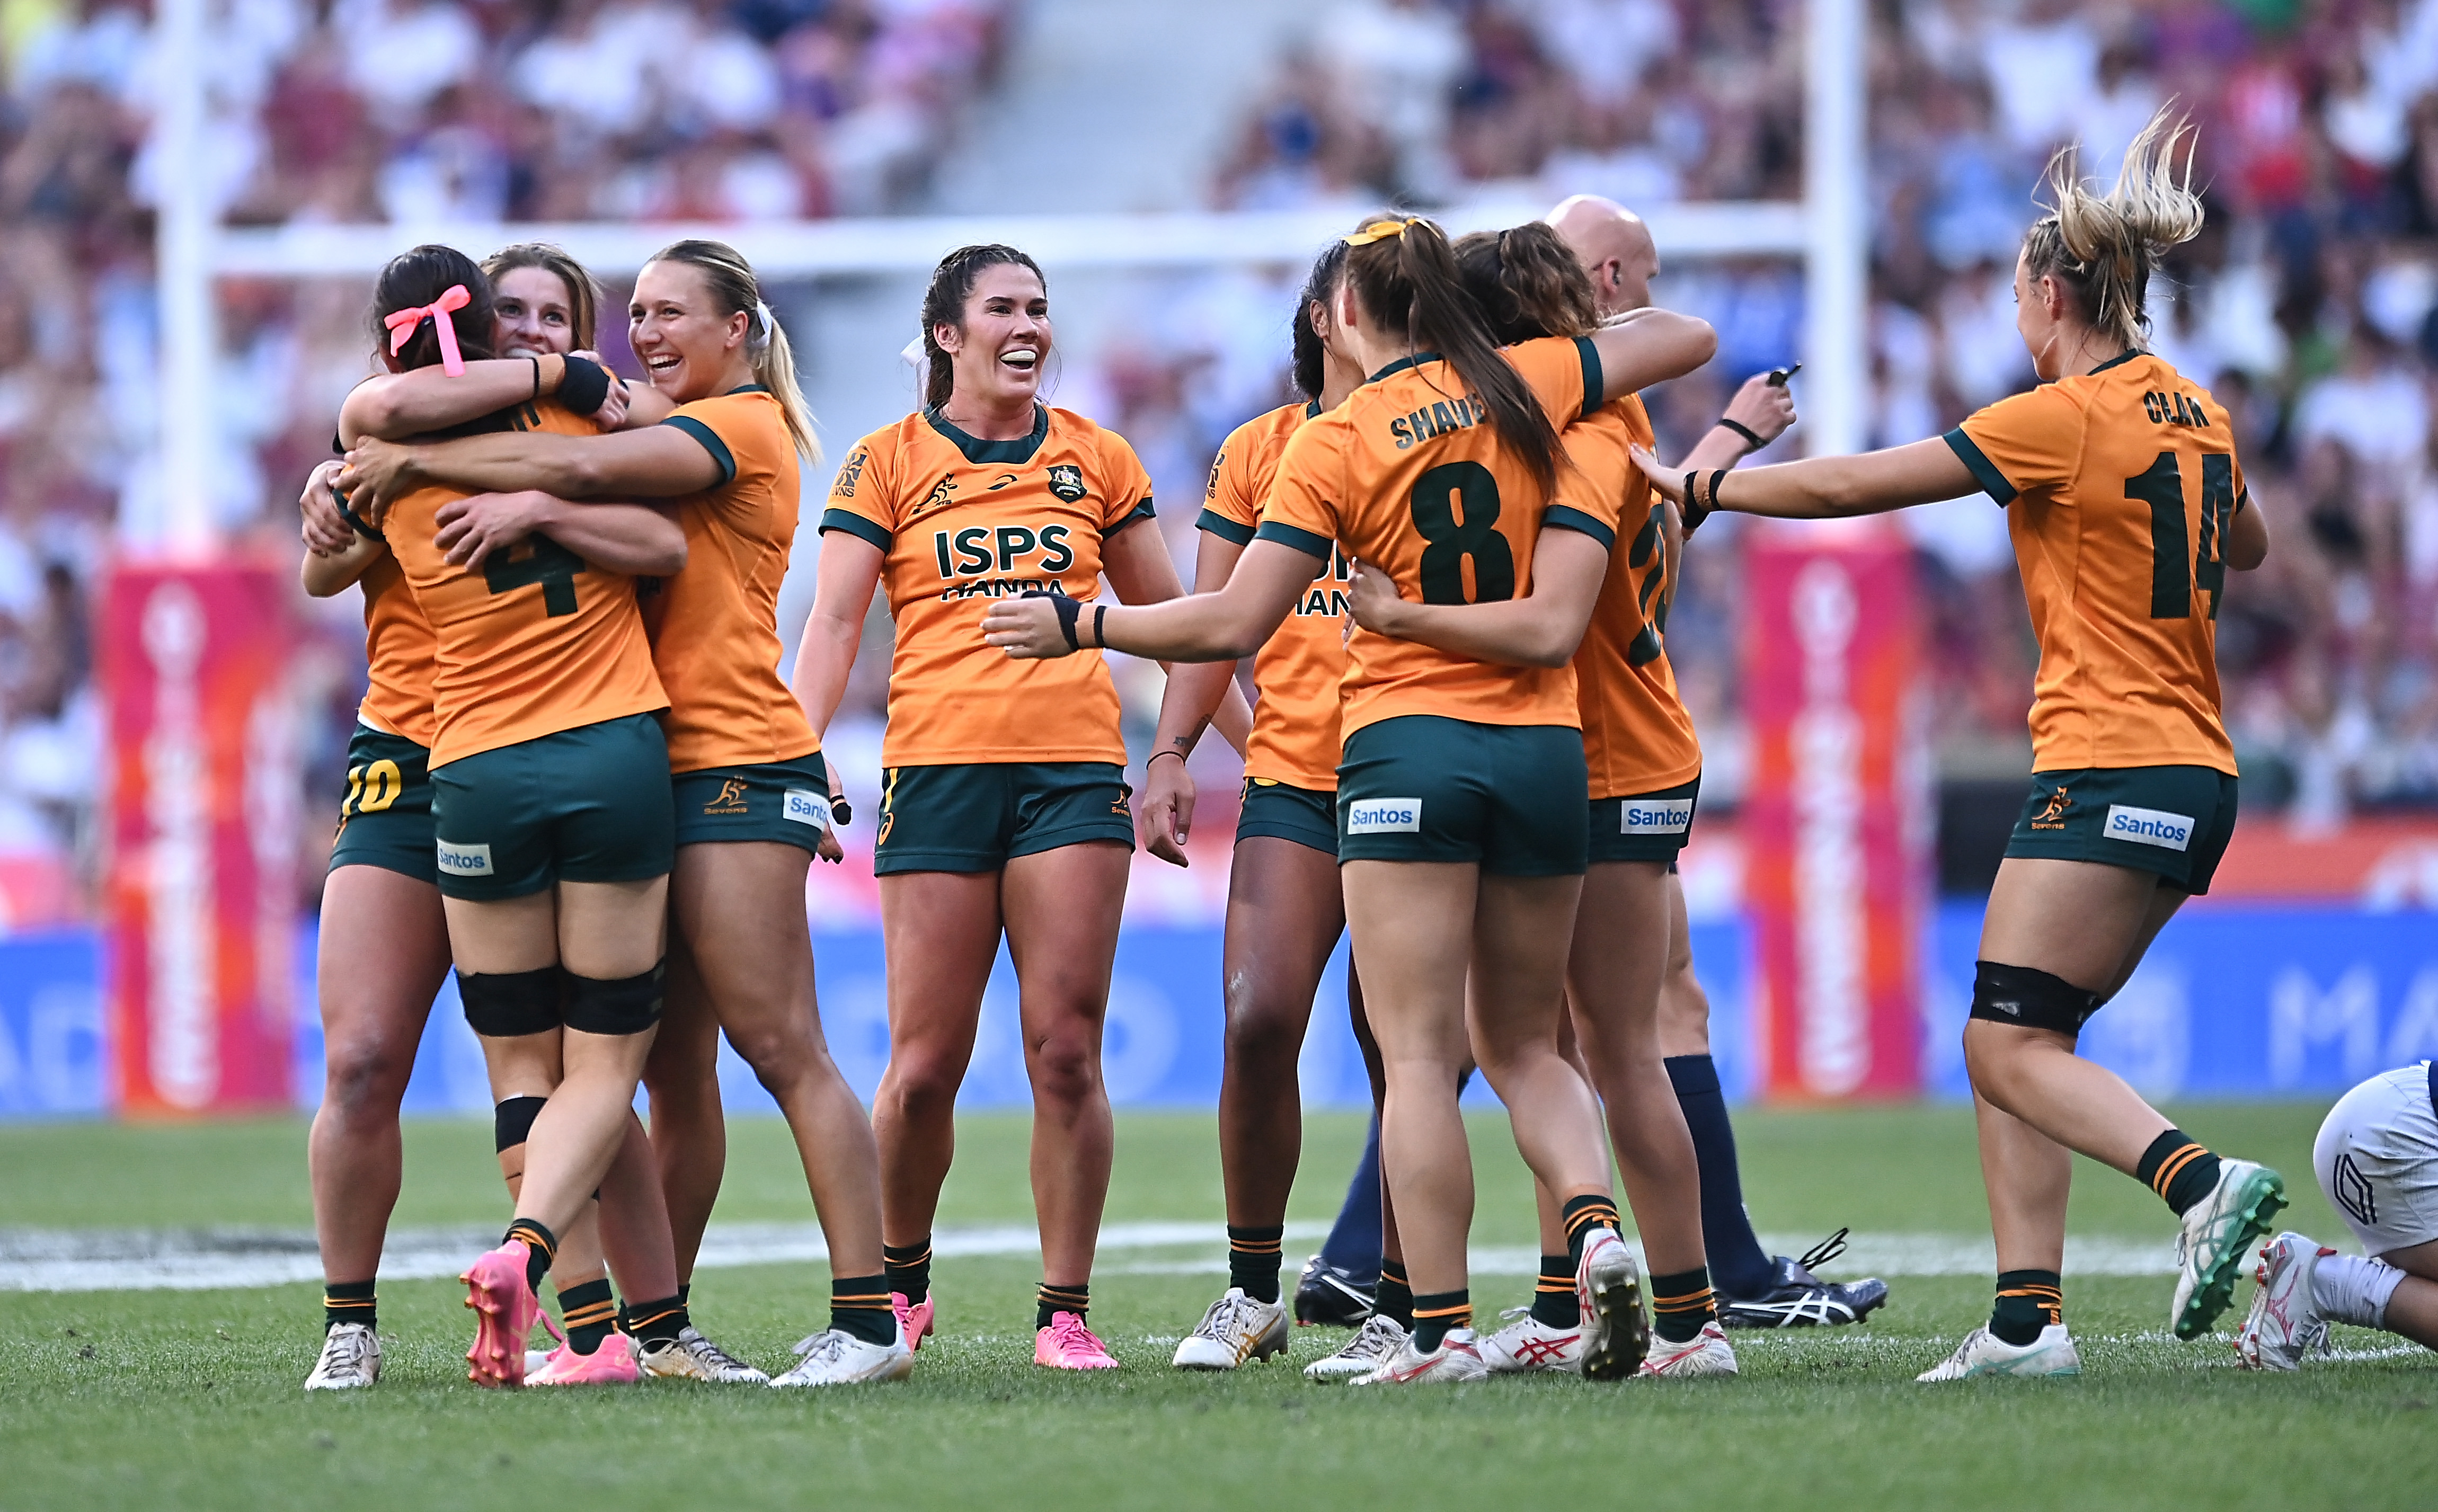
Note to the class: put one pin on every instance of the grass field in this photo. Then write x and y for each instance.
(169, 1398)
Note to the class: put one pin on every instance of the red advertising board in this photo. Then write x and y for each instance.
(1838, 823)
(204, 808)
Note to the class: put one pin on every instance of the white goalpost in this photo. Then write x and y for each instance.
(1826, 229)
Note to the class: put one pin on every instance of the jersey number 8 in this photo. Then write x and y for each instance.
(1456, 509)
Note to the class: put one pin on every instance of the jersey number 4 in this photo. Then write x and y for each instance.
(2175, 566)
(1456, 509)
(551, 565)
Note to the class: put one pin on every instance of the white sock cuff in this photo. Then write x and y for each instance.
(2354, 1289)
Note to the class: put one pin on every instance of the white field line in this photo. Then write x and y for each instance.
(189, 1260)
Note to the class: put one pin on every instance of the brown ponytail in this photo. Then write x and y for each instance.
(1528, 284)
(1404, 277)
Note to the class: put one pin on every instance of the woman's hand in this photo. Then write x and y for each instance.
(474, 527)
(1372, 598)
(1164, 817)
(327, 532)
(1669, 485)
(1026, 628)
(376, 472)
(828, 847)
(1764, 408)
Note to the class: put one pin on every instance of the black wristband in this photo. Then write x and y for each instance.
(1067, 608)
(536, 367)
(585, 385)
(1100, 617)
(1752, 438)
(841, 812)
(354, 521)
(1694, 510)
(1158, 754)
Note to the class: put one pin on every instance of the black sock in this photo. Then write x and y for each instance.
(2177, 1169)
(1737, 1263)
(859, 1305)
(542, 1247)
(1048, 1301)
(1253, 1259)
(1584, 1214)
(909, 1269)
(348, 1302)
(1395, 1298)
(2028, 1301)
(655, 1321)
(1553, 1297)
(1436, 1312)
(1681, 1304)
(588, 1314)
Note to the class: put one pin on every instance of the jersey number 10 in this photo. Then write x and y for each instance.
(2174, 567)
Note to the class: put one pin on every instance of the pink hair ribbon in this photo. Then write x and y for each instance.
(402, 322)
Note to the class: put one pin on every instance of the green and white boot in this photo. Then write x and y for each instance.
(2218, 1237)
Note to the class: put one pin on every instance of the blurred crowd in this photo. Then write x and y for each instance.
(2310, 306)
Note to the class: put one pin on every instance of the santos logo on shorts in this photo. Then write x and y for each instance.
(2150, 826)
(1655, 815)
(803, 807)
(464, 860)
(1384, 816)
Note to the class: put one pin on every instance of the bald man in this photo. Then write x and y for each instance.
(1754, 1288)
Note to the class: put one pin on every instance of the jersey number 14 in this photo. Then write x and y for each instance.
(2175, 566)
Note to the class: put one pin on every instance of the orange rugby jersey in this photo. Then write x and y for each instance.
(1297, 675)
(714, 626)
(2119, 486)
(961, 522)
(1637, 737)
(536, 642)
(1409, 475)
(399, 651)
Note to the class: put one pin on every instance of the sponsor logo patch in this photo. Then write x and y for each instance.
(2150, 826)
(464, 860)
(1666, 816)
(803, 806)
(1384, 816)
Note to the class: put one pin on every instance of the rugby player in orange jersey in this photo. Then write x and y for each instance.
(2126, 506)
(1461, 799)
(1285, 908)
(384, 947)
(550, 813)
(753, 795)
(1003, 807)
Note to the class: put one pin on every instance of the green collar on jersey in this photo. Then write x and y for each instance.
(979, 451)
(2118, 360)
(1312, 408)
(1402, 363)
(752, 388)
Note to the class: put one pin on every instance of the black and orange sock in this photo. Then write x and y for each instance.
(1048, 1301)
(859, 1305)
(1394, 1297)
(1681, 1304)
(1584, 1214)
(1253, 1259)
(1436, 1312)
(542, 1247)
(2177, 1169)
(1554, 1304)
(909, 1269)
(655, 1322)
(348, 1302)
(587, 1314)
(2028, 1301)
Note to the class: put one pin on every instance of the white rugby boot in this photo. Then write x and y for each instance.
(1707, 1353)
(1234, 1329)
(2285, 1322)
(1983, 1353)
(1529, 1345)
(350, 1357)
(1379, 1337)
(836, 1358)
(1608, 1286)
(1457, 1359)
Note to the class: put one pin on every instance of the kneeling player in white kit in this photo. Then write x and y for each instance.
(2377, 1158)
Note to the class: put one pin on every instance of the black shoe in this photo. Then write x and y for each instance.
(1324, 1293)
(1795, 1298)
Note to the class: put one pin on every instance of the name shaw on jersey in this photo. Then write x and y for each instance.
(975, 561)
(1455, 415)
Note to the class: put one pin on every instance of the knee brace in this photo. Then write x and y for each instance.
(512, 1120)
(625, 1004)
(2030, 998)
(505, 1004)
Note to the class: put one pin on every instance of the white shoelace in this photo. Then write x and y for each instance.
(345, 1350)
(1224, 1316)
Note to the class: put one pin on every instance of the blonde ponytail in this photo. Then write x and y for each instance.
(2102, 248)
(732, 282)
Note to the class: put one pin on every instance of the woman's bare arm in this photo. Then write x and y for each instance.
(642, 540)
(1138, 567)
(324, 576)
(659, 462)
(2246, 538)
(1164, 815)
(1222, 627)
(395, 405)
(1827, 487)
(1541, 629)
(1656, 346)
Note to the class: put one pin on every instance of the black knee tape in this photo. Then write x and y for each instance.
(512, 1120)
(626, 1005)
(503, 1004)
(2030, 998)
